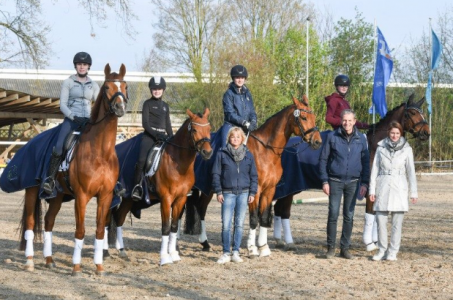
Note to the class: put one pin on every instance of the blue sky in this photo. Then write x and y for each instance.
(399, 20)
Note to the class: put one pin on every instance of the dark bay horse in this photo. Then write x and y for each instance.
(267, 145)
(409, 115)
(92, 173)
(173, 181)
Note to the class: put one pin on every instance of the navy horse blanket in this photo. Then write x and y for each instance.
(128, 152)
(28, 168)
(300, 167)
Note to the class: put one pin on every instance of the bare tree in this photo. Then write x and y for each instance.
(188, 32)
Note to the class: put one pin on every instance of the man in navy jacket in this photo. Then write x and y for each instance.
(344, 163)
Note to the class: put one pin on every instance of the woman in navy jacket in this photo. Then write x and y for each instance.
(235, 181)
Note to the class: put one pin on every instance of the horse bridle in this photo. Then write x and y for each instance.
(197, 144)
(408, 116)
(110, 102)
(297, 114)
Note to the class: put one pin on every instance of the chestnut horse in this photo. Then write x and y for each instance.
(410, 116)
(172, 181)
(267, 144)
(92, 172)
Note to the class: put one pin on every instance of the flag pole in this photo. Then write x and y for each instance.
(374, 69)
(308, 34)
(430, 113)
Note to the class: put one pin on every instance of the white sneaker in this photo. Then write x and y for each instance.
(371, 247)
(379, 256)
(236, 258)
(225, 258)
(391, 257)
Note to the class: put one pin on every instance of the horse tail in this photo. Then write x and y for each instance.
(192, 224)
(37, 228)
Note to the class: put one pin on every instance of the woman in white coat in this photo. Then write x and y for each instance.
(392, 182)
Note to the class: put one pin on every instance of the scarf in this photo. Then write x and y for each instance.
(239, 153)
(395, 146)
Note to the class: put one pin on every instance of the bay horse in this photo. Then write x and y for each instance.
(173, 180)
(92, 172)
(267, 144)
(410, 116)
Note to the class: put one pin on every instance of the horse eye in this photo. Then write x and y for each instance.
(106, 87)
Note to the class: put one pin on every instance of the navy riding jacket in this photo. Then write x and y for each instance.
(345, 160)
(229, 176)
(238, 107)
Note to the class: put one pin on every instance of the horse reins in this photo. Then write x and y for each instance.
(299, 124)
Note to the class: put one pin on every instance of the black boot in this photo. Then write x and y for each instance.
(137, 192)
(49, 183)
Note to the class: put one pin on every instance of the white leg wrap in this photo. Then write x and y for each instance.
(252, 238)
(164, 245)
(287, 231)
(98, 251)
(77, 256)
(119, 238)
(375, 232)
(262, 237)
(29, 236)
(368, 228)
(203, 237)
(47, 251)
(172, 243)
(277, 227)
(106, 238)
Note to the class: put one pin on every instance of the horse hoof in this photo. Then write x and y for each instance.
(122, 253)
(290, 247)
(50, 265)
(253, 251)
(106, 253)
(165, 260)
(265, 251)
(175, 256)
(29, 265)
(206, 246)
(279, 243)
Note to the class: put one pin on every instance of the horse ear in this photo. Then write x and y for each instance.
(410, 101)
(206, 112)
(305, 98)
(190, 113)
(296, 101)
(122, 70)
(420, 102)
(107, 70)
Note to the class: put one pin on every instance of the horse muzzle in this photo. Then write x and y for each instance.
(205, 154)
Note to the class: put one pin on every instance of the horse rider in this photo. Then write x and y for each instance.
(78, 92)
(157, 127)
(337, 102)
(238, 108)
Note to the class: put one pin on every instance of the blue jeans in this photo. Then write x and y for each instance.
(349, 193)
(236, 204)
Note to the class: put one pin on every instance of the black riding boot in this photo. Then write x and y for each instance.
(137, 192)
(49, 183)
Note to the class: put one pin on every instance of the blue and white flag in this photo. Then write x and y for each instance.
(382, 72)
(435, 58)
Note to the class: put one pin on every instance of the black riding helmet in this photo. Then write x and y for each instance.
(157, 82)
(238, 71)
(342, 80)
(82, 57)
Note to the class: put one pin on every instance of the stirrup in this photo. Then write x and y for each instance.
(48, 185)
(137, 193)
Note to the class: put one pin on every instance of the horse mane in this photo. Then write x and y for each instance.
(279, 112)
(384, 119)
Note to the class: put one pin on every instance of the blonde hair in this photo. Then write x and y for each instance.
(233, 130)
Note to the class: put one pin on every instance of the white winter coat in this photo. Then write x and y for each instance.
(392, 178)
